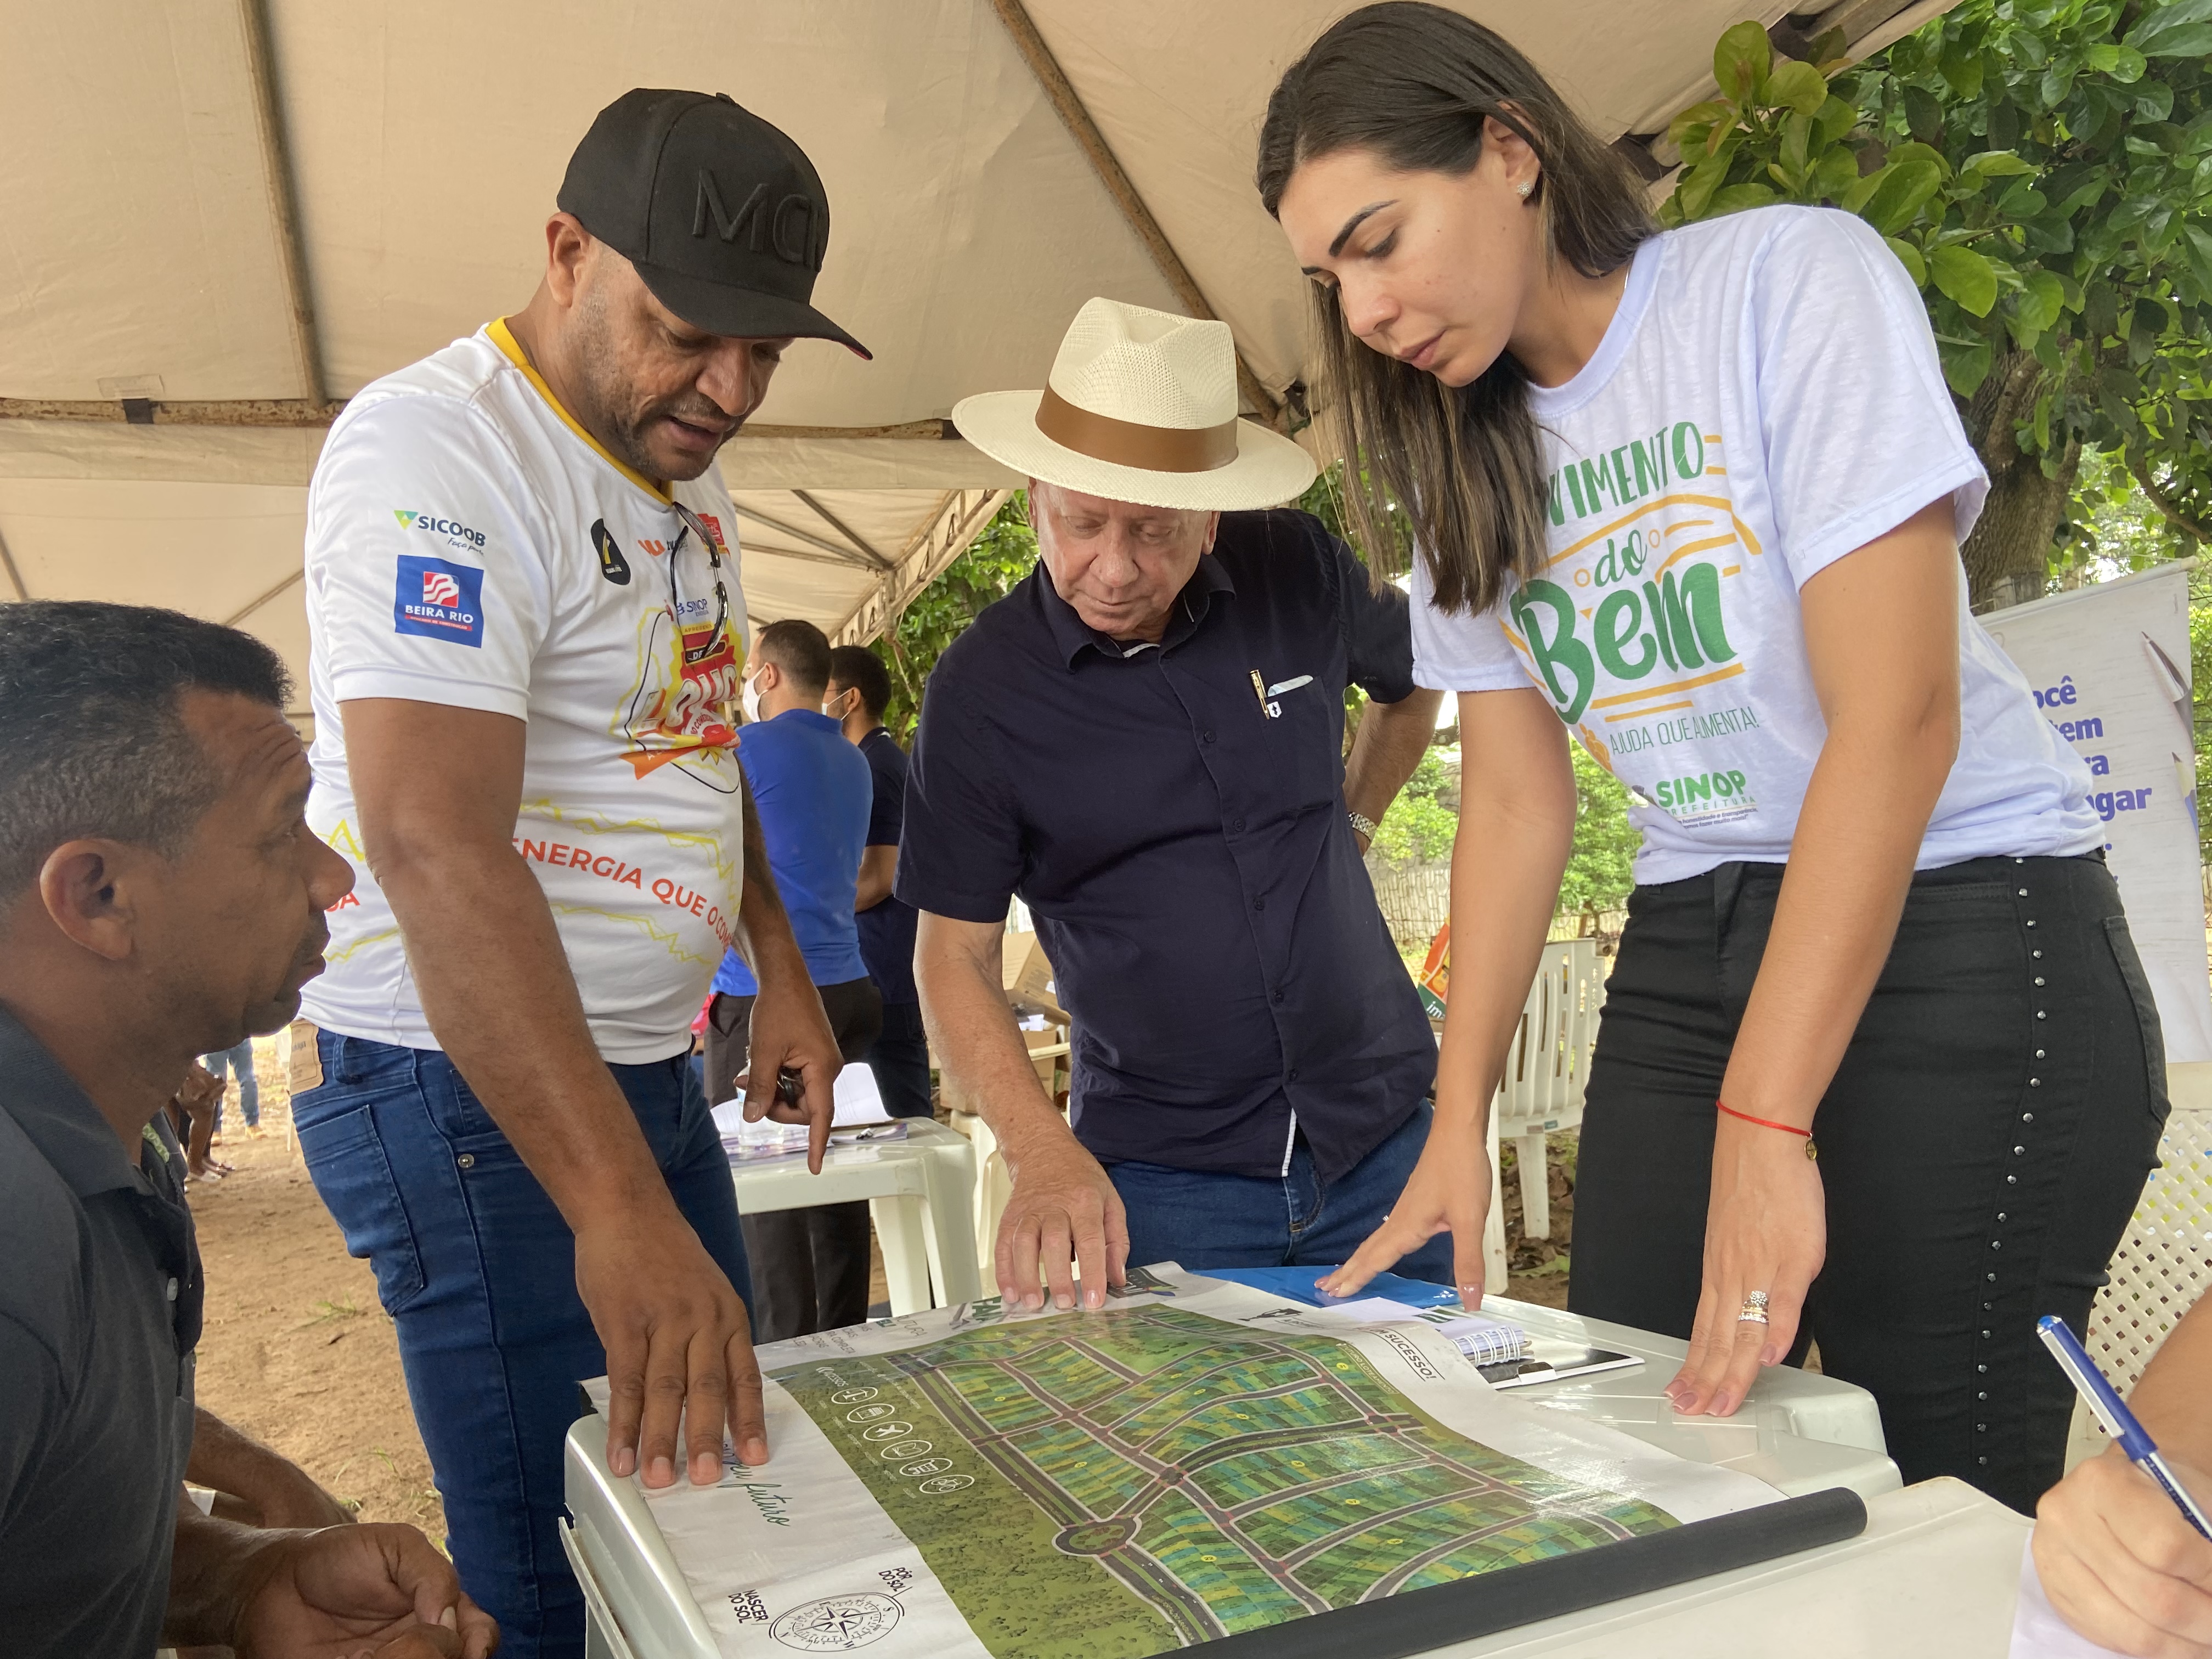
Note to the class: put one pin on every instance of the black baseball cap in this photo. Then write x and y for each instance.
(723, 216)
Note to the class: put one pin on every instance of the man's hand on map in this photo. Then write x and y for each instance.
(1448, 1192)
(1766, 1229)
(1064, 1208)
(675, 1333)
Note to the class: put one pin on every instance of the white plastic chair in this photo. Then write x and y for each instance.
(1547, 1070)
(2163, 1262)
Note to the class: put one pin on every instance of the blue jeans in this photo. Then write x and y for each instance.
(1205, 1219)
(478, 1268)
(241, 1060)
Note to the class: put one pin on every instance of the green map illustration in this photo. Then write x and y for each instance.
(1115, 1484)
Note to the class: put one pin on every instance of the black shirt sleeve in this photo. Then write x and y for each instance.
(887, 806)
(961, 854)
(1378, 628)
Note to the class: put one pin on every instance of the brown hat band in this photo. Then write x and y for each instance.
(1128, 443)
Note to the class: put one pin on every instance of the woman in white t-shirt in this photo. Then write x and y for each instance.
(1697, 495)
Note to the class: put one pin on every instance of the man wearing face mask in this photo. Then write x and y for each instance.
(528, 638)
(810, 1266)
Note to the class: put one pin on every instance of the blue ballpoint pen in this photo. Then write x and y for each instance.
(2112, 1413)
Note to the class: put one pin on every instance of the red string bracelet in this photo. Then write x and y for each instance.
(1811, 1149)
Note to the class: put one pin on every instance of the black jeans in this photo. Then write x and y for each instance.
(1982, 1147)
(900, 1059)
(810, 1266)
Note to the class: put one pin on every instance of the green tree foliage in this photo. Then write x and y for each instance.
(1602, 866)
(986, 572)
(2043, 168)
(1418, 827)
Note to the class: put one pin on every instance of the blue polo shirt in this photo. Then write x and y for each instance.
(887, 927)
(813, 790)
(1179, 834)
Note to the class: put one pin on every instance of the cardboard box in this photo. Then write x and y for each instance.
(1028, 979)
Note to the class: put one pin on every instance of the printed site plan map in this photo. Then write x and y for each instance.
(1195, 1460)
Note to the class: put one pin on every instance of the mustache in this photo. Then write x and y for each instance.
(697, 411)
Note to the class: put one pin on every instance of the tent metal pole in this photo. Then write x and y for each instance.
(15, 576)
(960, 516)
(284, 196)
(835, 561)
(844, 530)
(297, 412)
(843, 555)
(1062, 95)
(239, 616)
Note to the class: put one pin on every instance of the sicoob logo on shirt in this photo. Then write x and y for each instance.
(439, 601)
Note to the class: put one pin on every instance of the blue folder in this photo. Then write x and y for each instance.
(1297, 1284)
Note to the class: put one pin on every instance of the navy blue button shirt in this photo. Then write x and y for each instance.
(1174, 818)
(887, 926)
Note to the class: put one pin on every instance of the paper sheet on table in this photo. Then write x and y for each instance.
(859, 1103)
(1196, 1459)
(1485, 1341)
(2038, 1631)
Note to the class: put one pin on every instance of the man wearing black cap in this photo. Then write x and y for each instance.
(529, 638)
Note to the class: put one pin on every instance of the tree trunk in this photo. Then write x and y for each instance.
(2008, 555)
(2007, 558)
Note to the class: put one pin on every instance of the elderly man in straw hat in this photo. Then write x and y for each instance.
(1145, 741)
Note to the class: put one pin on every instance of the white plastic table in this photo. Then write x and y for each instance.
(920, 1194)
(1798, 1432)
(1933, 1576)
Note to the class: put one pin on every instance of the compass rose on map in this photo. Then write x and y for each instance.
(836, 1624)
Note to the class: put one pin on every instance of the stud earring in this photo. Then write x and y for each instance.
(1525, 187)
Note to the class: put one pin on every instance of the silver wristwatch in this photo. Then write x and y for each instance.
(1361, 824)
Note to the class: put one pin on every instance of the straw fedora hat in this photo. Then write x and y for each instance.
(1141, 407)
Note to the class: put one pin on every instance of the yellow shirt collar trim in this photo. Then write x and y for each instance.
(503, 337)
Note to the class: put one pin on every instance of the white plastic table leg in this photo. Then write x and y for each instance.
(1535, 1185)
(903, 1231)
(995, 1186)
(1493, 1228)
(949, 1171)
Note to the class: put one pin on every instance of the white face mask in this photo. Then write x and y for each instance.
(749, 694)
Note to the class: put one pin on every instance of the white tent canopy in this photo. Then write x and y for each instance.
(218, 217)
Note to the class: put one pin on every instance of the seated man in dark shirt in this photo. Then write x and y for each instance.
(161, 897)
(860, 691)
(1145, 741)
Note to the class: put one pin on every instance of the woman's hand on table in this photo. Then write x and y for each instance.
(2120, 1563)
(1766, 1230)
(1448, 1192)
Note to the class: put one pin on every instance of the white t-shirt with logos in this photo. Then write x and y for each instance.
(469, 544)
(1767, 400)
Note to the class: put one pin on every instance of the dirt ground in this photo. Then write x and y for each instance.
(297, 1353)
(295, 1350)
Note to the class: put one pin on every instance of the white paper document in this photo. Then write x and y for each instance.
(858, 1105)
(1194, 1460)
(2038, 1631)
(1484, 1341)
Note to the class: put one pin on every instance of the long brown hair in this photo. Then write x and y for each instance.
(1412, 83)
